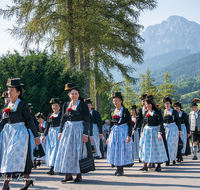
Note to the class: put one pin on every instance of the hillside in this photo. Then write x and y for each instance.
(181, 70)
(173, 34)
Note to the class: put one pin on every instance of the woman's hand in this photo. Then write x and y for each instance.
(37, 141)
(160, 136)
(133, 133)
(43, 139)
(107, 141)
(85, 138)
(141, 135)
(91, 139)
(179, 133)
(59, 136)
(100, 136)
(128, 139)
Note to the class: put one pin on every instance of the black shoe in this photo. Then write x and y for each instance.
(178, 160)
(151, 165)
(116, 172)
(174, 162)
(67, 179)
(167, 163)
(194, 158)
(78, 180)
(51, 172)
(38, 164)
(144, 169)
(120, 174)
(140, 161)
(26, 187)
(158, 169)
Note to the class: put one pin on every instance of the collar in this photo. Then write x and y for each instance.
(76, 105)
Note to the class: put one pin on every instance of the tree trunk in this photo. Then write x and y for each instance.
(87, 68)
(81, 58)
(96, 94)
(71, 38)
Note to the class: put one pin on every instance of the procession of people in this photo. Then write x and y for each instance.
(72, 136)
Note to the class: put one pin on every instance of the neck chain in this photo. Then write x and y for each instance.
(119, 108)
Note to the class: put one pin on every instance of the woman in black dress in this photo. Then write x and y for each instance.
(73, 135)
(14, 125)
(51, 132)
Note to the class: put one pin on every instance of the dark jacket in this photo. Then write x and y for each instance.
(155, 120)
(96, 119)
(52, 122)
(81, 114)
(171, 119)
(126, 118)
(22, 114)
(184, 120)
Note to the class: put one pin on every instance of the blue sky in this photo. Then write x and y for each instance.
(185, 8)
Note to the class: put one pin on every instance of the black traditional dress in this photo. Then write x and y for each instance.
(15, 145)
(74, 124)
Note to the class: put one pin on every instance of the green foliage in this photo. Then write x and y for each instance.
(44, 77)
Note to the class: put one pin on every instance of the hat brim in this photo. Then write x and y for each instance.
(14, 86)
(68, 89)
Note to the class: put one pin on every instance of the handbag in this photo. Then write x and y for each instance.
(180, 143)
(86, 164)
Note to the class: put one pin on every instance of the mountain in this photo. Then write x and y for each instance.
(181, 70)
(173, 34)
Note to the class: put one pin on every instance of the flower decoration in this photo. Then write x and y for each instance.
(167, 115)
(52, 117)
(133, 122)
(69, 109)
(7, 110)
(41, 127)
(115, 117)
(148, 115)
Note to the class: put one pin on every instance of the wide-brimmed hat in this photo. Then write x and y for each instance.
(149, 97)
(5, 94)
(143, 96)
(70, 86)
(134, 107)
(30, 105)
(116, 95)
(177, 104)
(40, 115)
(55, 101)
(14, 82)
(88, 101)
(194, 102)
(166, 99)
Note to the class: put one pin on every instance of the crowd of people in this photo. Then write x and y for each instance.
(73, 134)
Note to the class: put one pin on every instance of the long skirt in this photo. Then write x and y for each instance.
(96, 141)
(71, 148)
(183, 138)
(14, 148)
(33, 145)
(119, 152)
(135, 144)
(188, 150)
(172, 137)
(152, 150)
(52, 146)
(40, 151)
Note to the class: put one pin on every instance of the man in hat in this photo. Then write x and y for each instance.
(194, 121)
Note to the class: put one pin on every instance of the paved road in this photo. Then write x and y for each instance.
(180, 176)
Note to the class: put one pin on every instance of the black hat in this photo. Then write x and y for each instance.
(116, 95)
(167, 99)
(194, 102)
(55, 101)
(30, 105)
(40, 115)
(143, 96)
(5, 94)
(70, 86)
(134, 107)
(177, 104)
(88, 101)
(149, 97)
(14, 82)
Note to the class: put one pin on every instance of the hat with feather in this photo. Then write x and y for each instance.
(194, 102)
